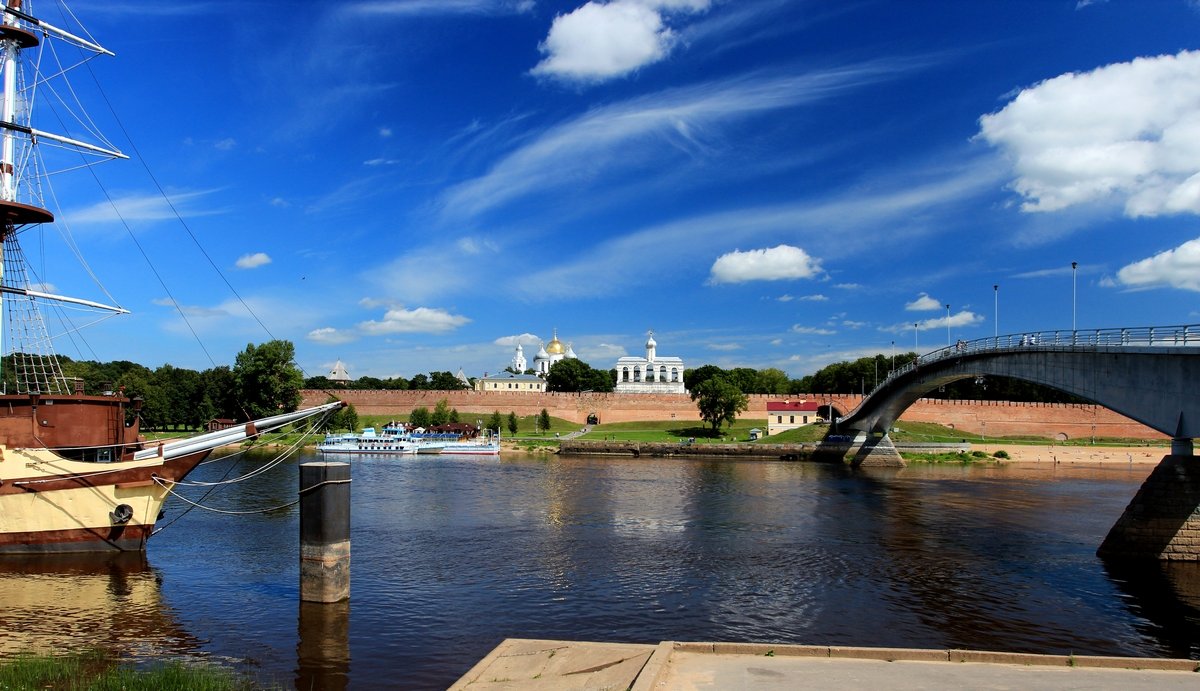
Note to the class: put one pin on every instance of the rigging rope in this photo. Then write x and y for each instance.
(163, 483)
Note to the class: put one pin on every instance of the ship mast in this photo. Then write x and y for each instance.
(34, 363)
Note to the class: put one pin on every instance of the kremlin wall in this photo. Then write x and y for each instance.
(987, 418)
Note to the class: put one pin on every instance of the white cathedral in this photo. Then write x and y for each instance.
(651, 374)
(547, 355)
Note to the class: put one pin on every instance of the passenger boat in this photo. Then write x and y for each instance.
(75, 475)
(487, 445)
(369, 442)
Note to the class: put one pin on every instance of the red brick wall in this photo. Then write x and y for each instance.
(979, 417)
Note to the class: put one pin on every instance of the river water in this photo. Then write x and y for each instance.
(450, 555)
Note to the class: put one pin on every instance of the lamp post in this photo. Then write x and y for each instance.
(893, 359)
(1074, 266)
(947, 325)
(996, 310)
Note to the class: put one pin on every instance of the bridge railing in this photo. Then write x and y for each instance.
(1186, 335)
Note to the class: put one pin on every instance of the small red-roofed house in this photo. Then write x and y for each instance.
(785, 415)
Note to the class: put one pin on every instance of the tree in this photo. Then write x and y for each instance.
(693, 378)
(773, 381)
(512, 423)
(419, 381)
(574, 375)
(495, 421)
(544, 421)
(454, 418)
(419, 417)
(345, 418)
(719, 402)
(441, 413)
(220, 399)
(266, 378)
(445, 381)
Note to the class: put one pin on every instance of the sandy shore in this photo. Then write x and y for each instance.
(1021, 453)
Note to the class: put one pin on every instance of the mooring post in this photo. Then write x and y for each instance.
(324, 532)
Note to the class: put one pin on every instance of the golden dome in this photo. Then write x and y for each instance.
(555, 346)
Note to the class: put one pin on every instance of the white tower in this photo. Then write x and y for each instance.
(519, 360)
(650, 346)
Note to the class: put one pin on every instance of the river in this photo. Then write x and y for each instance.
(450, 555)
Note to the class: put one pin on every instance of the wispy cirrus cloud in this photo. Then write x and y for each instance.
(603, 269)
(147, 207)
(626, 135)
(423, 8)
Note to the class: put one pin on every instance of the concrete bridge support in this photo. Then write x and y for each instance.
(877, 452)
(1163, 520)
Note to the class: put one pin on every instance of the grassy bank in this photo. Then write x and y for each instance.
(100, 671)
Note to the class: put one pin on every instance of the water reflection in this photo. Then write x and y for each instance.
(323, 654)
(61, 603)
(1165, 597)
(451, 555)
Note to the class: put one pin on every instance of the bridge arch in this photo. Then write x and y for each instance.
(1150, 375)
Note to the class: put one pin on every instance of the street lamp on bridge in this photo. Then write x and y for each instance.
(996, 309)
(1074, 266)
(947, 325)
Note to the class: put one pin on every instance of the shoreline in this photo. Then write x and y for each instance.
(1090, 455)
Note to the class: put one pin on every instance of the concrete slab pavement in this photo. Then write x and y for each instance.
(676, 666)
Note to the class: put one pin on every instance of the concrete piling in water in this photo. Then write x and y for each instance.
(324, 532)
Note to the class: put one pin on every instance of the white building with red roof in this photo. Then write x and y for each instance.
(785, 415)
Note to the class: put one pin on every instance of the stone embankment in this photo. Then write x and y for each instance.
(785, 452)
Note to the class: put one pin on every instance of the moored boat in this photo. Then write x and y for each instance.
(75, 475)
(368, 441)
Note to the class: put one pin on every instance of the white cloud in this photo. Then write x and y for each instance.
(812, 330)
(385, 132)
(1176, 268)
(253, 261)
(924, 303)
(1127, 133)
(603, 40)
(419, 320)
(963, 318)
(475, 246)
(774, 264)
(280, 202)
(724, 347)
(604, 269)
(227, 144)
(330, 336)
(151, 207)
(522, 339)
(624, 136)
(813, 298)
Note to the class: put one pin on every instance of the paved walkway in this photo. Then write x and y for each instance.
(670, 666)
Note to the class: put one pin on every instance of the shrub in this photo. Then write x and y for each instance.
(1001, 454)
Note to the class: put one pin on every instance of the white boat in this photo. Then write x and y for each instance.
(74, 474)
(370, 442)
(487, 445)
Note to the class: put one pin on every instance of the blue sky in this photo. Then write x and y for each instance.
(418, 185)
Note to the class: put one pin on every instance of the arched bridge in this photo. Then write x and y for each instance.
(1148, 374)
